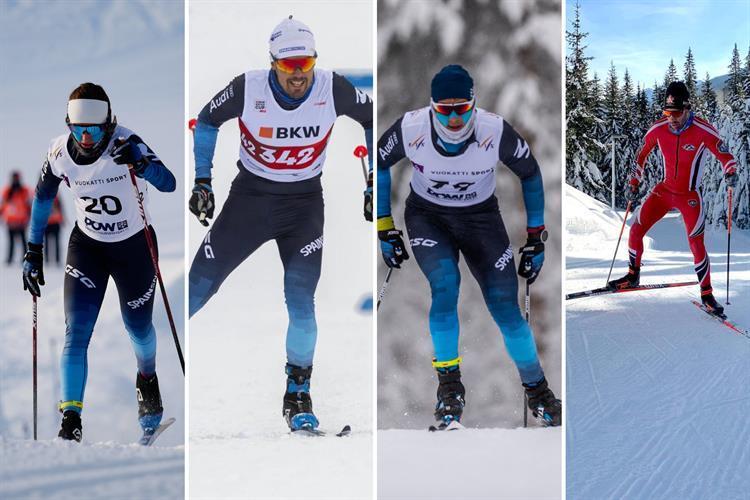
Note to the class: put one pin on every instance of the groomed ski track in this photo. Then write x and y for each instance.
(55, 469)
(470, 463)
(658, 394)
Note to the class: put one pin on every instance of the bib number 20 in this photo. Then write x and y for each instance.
(110, 205)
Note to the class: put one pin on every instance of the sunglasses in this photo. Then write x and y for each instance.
(673, 112)
(95, 131)
(448, 109)
(291, 64)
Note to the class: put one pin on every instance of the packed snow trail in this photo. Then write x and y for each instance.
(470, 463)
(57, 469)
(657, 392)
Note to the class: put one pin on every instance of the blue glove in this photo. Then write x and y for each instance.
(33, 269)
(391, 244)
(532, 254)
(128, 153)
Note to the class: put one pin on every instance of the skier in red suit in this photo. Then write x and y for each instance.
(683, 139)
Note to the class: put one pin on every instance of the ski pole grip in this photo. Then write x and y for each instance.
(360, 151)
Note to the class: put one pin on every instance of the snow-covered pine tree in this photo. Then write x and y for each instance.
(733, 124)
(581, 149)
(709, 107)
(691, 79)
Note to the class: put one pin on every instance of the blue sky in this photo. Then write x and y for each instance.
(643, 36)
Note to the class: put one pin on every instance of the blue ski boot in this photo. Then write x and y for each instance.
(297, 409)
(450, 396)
(149, 403)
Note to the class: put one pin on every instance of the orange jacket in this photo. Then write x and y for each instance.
(16, 208)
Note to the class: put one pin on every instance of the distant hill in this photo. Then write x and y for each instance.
(718, 83)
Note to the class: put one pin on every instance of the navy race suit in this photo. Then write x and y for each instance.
(277, 193)
(107, 241)
(452, 211)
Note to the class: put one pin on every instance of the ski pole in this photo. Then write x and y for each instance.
(528, 301)
(155, 261)
(729, 235)
(360, 152)
(384, 287)
(624, 219)
(33, 348)
(525, 397)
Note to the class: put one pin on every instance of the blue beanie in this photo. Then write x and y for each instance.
(452, 82)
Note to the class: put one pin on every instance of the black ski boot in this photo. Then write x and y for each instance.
(149, 402)
(709, 301)
(451, 396)
(543, 404)
(630, 280)
(298, 409)
(71, 429)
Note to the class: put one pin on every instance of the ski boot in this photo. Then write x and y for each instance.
(630, 280)
(450, 397)
(297, 409)
(149, 403)
(543, 404)
(709, 301)
(71, 429)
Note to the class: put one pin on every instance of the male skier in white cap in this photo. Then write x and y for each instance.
(285, 115)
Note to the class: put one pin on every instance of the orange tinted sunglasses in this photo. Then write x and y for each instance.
(291, 64)
(673, 112)
(447, 109)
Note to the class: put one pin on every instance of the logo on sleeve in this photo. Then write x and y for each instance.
(722, 147)
(522, 149)
(362, 97)
(388, 146)
(221, 98)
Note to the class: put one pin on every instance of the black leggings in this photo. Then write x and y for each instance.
(13, 234)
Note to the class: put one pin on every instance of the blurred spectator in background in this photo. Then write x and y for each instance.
(53, 231)
(15, 211)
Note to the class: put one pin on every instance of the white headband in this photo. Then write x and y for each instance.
(87, 111)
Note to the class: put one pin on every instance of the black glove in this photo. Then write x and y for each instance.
(368, 199)
(128, 153)
(33, 271)
(532, 254)
(202, 201)
(731, 179)
(391, 244)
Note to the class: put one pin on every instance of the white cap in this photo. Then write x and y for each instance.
(291, 38)
(87, 111)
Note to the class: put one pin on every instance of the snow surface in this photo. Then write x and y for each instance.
(657, 392)
(107, 44)
(470, 463)
(239, 443)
